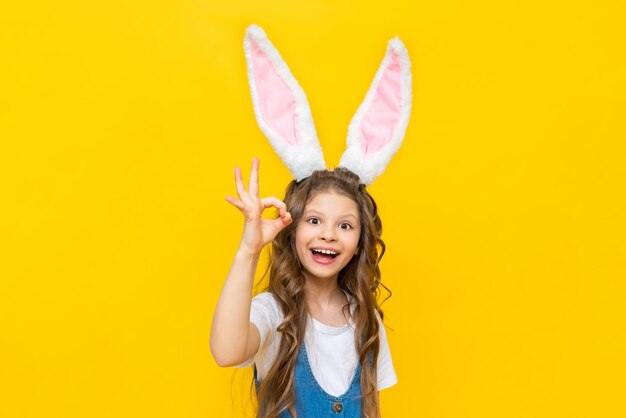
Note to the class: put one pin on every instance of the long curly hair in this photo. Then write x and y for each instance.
(360, 279)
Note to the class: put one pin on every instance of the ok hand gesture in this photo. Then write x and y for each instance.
(257, 231)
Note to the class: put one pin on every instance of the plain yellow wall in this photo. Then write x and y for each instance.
(503, 212)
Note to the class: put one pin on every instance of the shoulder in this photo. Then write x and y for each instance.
(381, 328)
(386, 371)
(265, 298)
(266, 304)
(266, 315)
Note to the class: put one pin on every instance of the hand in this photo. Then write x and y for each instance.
(257, 231)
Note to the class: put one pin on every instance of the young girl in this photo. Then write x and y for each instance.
(315, 336)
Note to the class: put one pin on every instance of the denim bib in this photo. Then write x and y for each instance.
(313, 402)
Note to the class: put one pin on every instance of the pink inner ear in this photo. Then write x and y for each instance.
(383, 114)
(276, 101)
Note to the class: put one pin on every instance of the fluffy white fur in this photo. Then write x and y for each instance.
(353, 158)
(303, 159)
(306, 157)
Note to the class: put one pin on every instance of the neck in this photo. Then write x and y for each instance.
(322, 291)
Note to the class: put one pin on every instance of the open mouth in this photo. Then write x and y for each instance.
(324, 256)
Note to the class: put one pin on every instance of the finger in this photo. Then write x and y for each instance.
(283, 221)
(268, 202)
(241, 191)
(253, 185)
(239, 205)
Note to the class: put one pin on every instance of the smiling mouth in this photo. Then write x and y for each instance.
(324, 255)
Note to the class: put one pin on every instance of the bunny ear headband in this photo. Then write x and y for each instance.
(283, 114)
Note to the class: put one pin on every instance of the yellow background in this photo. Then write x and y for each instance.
(503, 212)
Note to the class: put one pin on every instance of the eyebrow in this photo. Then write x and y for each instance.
(347, 215)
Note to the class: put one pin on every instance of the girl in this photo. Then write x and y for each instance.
(315, 336)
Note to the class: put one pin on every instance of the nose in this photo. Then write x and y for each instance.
(328, 233)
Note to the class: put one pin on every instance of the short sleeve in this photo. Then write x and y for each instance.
(264, 313)
(385, 370)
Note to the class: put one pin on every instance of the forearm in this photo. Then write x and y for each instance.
(231, 321)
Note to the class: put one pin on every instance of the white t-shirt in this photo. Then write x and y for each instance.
(331, 352)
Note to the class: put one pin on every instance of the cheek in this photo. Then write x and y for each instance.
(303, 237)
(355, 240)
(304, 232)
(352, 244)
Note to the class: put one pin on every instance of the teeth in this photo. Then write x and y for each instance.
(326, 252)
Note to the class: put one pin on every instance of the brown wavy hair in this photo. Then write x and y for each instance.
(360, 279)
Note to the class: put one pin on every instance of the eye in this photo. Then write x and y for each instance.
(313, 221)
(345, 225)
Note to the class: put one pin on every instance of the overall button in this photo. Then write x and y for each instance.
(337, 407)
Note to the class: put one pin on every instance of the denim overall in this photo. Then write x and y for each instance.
(313, 402)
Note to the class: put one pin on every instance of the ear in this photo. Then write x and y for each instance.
(378, 127)
(281, 107)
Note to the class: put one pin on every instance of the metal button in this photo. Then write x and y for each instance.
(337, 407)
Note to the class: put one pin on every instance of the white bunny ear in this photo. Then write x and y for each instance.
(378, 127)
(280, 106)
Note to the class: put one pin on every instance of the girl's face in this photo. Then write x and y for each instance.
(331, 223)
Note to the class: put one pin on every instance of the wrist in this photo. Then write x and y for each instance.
(247, 253)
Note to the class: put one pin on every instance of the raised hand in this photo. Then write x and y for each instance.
(257, 231)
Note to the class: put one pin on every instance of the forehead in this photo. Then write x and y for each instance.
(332, 203)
